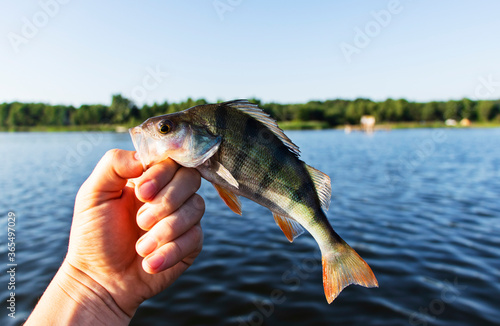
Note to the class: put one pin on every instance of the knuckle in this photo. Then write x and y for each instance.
(168, 228)
(194, 177)
(166, 202)
(112, 154)
(198, 203)
(177, 250)
(197, 236)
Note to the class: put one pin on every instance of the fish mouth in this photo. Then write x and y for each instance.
(141, 145)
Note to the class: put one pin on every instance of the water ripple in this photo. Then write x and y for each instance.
(421, 206)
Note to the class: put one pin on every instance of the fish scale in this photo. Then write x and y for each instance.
(259, 162)
(242, 152)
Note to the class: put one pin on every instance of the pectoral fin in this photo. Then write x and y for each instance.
(290, 228)
(225, 174)
(231, 200)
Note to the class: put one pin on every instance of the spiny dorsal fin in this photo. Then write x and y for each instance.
(323, 186)
(290, 228)
(257, 113)
(231, 200)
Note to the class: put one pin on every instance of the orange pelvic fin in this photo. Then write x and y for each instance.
(231, 200)
(343, 267)
(290, 228)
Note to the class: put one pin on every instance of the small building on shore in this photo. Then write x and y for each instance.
(465, 122)
(367, 123)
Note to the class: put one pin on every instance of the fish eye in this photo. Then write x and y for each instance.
(165, 126)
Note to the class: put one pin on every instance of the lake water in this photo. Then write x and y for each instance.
(420, 206)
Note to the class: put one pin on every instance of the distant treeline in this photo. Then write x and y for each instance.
(123, 111)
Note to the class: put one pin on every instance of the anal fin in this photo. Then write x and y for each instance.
(290, 228)
(231, 200)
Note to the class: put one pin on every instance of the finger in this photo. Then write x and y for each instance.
(112, 171)
(173, 226)
(182, 186)
(155, 178)
(186, 246)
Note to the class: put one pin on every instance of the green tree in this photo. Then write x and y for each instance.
(55, 115)
(120, 109)
(22, 114)
(352, 113)
(280, 112)
(468, 111)
(485, 110)
(452, 110)
(4, 114)
(430, 111)
(402, 110)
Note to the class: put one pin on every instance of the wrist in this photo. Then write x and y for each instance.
(83, 288)
(73, 297)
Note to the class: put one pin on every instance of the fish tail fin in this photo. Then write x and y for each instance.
(343, 266)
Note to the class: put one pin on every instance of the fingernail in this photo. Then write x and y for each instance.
(147, 189)
(136, 156)
(146, 246)
(145, 220)
(155, 261)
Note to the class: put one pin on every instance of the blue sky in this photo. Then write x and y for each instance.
(74, 51)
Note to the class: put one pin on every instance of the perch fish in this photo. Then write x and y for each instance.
(241, 150)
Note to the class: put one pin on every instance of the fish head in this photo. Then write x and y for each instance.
(174, 136)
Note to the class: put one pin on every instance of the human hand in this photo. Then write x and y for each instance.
(105, 234)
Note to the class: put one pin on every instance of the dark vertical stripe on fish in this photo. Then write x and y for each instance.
(301, 194)
(221, 117)
(251, 127)
(275, 168)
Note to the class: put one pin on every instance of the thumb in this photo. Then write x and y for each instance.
(113, 170)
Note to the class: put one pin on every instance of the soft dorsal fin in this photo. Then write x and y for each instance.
(231, 200)
(290, 228)
(323, 186)
(257, 113)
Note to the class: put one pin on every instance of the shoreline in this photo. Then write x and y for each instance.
(285, 125)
